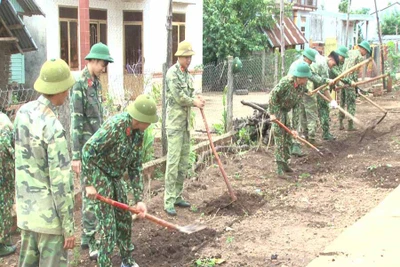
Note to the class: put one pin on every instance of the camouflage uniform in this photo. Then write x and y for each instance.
(320, 70)
(348, 95)
(179, 102)
(44, 188)
(112, 150)
(285, 95)
(7, 178)
(86, 119)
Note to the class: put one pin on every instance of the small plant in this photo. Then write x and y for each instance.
(237, 176)
(372, 167)
(194, 208)
(229, 239)
(208, 262)
(305, 175)
(109, 109)
(156, 92)
(244, 137)
(220, 128)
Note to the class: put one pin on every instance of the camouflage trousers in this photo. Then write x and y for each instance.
(42, 250)
(283, 140)
(115, 225)
(89, 223)
(348, 98)
(307, 113)
(177, 165)
(7, 185)
(323, 113)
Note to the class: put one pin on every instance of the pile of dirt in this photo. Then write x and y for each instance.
(246, 204)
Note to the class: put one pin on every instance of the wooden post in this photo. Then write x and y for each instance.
(263, 76)
(229, 96)
(381, 45)
(276, 67)
(282, 26)
(347, 25)
(166, 65)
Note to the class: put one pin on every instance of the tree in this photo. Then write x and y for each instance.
(234, 27)
(391, 23)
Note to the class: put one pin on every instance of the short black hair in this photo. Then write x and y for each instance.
(335, 57)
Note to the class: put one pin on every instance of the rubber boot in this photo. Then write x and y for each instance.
(328, 136)
(6, 250)
(351, 126)
(341, 126)
(296, 151)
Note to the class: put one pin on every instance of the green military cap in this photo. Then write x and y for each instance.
(366, 46)
(310, 54)
(236, 65)
(100, 51)
(143, 109)
(55, 77)
(342, 51)
(302, 71)
(184, 49)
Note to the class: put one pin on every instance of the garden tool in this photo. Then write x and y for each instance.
(221, 168)
(342, 75)
(283, 126)
(188, 229)
(357, 121)
(362, 82)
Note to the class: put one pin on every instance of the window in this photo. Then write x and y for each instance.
(133, 26)
(98, 26)
(178, 32)
(69, 36)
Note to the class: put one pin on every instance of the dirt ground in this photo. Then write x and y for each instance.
(274, 222)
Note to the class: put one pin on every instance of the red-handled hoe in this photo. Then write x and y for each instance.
(188, 229)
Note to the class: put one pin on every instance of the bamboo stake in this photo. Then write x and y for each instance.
(343, 74)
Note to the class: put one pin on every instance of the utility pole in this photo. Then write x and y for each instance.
(282, 26)
(347, 25)
(380, 43)
(166, 66)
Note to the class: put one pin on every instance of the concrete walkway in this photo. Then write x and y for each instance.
(373, 241)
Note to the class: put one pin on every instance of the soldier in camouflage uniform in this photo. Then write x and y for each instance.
(7, 182)
(348, 95)
(44, 186)
(113, 149)
(86, 119)
(180, 99)
(308, 110)
(286, 95)
(320, 71)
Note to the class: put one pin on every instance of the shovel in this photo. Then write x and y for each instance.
(283, 126)
(221, 168)
(188, 229)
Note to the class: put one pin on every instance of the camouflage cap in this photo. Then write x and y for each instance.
(364, 44)
(342, 51)
(143, 109)
(55, 77)
(100, 51)
(302, 71)
(310, 54)
(184, 49)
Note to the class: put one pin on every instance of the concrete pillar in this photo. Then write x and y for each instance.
(84, 32)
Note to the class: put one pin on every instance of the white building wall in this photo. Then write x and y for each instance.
(154, 33)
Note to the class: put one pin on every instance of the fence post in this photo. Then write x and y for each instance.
(164, 112)
(229, 96)
(263, 76)
(276, 66)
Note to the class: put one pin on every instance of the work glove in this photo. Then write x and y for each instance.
(333, 104)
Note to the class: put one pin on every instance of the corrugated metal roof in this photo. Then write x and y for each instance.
(293, 36)
(15, 27)
(30, 7)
